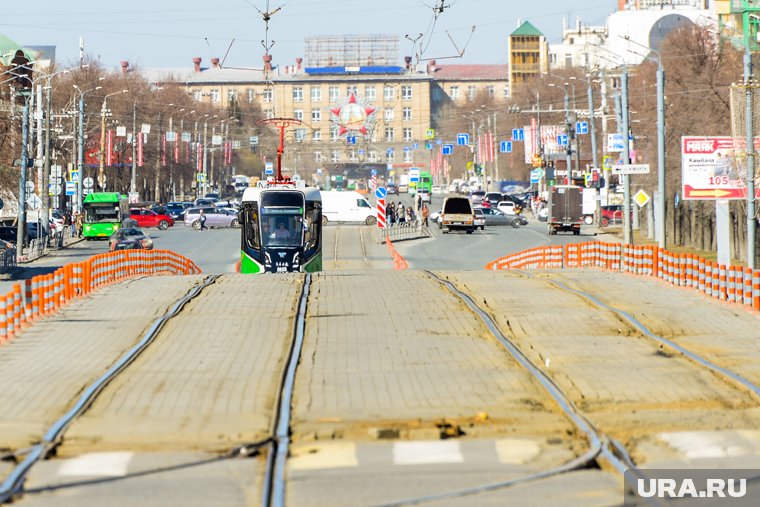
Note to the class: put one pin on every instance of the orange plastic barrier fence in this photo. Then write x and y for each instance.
(727, 283)
(44, 294)
(398, 261)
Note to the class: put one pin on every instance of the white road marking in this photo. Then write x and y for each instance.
(103, 464)
(514, 451)
(427, 452)
(319, 456)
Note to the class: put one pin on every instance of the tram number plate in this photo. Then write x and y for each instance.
(282, 269)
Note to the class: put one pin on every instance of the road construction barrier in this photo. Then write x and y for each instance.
(45, 294)
(398, 261)
(728, 283)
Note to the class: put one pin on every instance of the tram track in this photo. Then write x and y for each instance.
(603, 450)
(13, 485)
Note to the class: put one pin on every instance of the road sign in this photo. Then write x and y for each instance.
(430, 134)
(381, 192)
(268, 168)
(581, 127)
(641, 198)
(121, 131)
(201, 177)
(463, 139)
(615, 142)
(55, 171)
(373, 172)
(170, 136)
(71, 188)
(29, 187)
(186, 137)
(447, 149)
(350, 139)
(518, 134)
(562, 140)
(145, 128)
(33, 201)
(535, 175)
(414, 174)
(88, 182)
(415, 146)
(631, 169)
(428, 145)
(55, 188)
(216, 140)
(608, 162)
(505, 147)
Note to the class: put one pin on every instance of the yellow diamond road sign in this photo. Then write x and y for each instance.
(641, 198)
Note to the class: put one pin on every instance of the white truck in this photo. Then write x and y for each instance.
(457, 214)
(347, 207)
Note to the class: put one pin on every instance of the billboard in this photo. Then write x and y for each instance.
(714, 168)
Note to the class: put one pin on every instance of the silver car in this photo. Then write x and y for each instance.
(215, 217)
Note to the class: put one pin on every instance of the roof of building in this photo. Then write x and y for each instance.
(8, 48)
(471, 72)
(526, 29)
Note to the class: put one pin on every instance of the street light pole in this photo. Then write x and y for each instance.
(751, 224)
(101, 165)
(80, 151)
(21, 229)
(133, 180)
(569, 150)
(627, 225)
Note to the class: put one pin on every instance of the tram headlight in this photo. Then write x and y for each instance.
(267, 258)
(296, 261)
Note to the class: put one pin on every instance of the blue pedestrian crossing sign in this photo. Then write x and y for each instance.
(505, 147)
(581, 127)
(373, 172)
(351, 139)
(518, 134)
(463, 139)
(447, 149)
(562, 140)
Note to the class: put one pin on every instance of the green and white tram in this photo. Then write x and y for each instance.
(281, 229)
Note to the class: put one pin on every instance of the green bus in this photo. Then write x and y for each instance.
(103, 214)
(426, 181)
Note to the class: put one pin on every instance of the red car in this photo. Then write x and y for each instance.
(147, 218)
(612, 214)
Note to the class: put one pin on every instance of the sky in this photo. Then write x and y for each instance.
(169, 33)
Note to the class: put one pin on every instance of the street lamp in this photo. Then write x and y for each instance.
(659, 218)
(80, 154)
(101, 165)
(568, 150)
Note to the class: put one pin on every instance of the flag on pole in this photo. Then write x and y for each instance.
(109, 147)
(176, 148)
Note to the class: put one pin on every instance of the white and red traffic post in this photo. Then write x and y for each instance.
(381, 213)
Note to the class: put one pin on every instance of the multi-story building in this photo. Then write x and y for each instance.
(528, 54)
(577, 46)
(739, 20)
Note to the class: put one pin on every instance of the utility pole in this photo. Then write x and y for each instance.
(159, 156)
(496, 172)
(21, 231)
(80, 153)
(46, 170)
(751, 225)
(133, 180)
(205, 158)
(659, 219)
(592, 131)
(569, 150)
(627, 226)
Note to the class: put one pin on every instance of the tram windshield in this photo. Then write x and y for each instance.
(281, 227)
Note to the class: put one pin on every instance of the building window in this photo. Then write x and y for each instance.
(506, 91)
(369, 93)
(372, 156)
(407, 134)
(390, 155)
(214, 94)
(316, 136)
(269, 113)
(231, 95)
(568, 60)
(388, 114)
(300, 135)
(197, 95)
(267, 95)
(406, 92)
(334, 133)
(389, 134)
(335, 156)
(298, 114)
(471, 90)
(408, 156)
(317, 156)
(250, 95)
(553, 58)
(351, 89)
(454, 92)
(316, 115)
(491, 90)
(316, 93)
(388, 94)
(333, 93)
(298, 94)
(407, 113)
(352, 156)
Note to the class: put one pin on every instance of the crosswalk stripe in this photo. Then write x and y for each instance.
(427, 452)
(101, 464)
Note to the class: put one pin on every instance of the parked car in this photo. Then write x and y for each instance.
(392, 189)
(611, 214)
(176, 210)
(513, 198)
(149, 218)
(477, 196)
(215, 217)
(424, 194)
(508, 207)
(205, 201)
(480, 219)
(129, 238)
(32, 229)
(493, 198)
(436, 190)
(403, 189)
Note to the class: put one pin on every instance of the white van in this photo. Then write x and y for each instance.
(347, 207)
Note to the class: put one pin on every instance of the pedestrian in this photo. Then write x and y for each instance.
(401, 214)
(425, 213)
(78, 223)
(391, 212)
(202, 220)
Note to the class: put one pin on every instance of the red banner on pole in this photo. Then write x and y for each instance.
(109, 148)
(163, 150)
(200, 157)
(176, 148)
(140, 141)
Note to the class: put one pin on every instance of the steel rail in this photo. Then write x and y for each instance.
(274, 476)
(726, 374)
(13, 484)
(612, 452)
